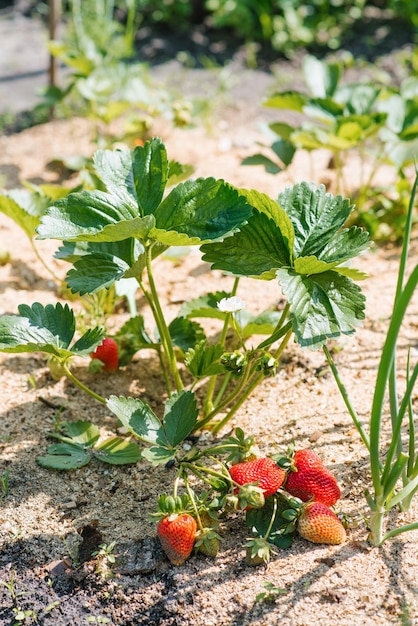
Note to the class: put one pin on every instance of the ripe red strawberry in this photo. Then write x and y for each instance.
(268, 476)
(319, 524)
(177, 535)
(312, 480)
(107, 353)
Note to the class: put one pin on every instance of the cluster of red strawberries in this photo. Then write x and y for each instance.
(305, 477)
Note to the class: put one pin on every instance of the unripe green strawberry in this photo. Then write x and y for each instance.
(319, 524)
(311, 479)
(107, 353)
(177, 535)
(264, 472)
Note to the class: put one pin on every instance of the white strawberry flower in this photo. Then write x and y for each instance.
(231, 305)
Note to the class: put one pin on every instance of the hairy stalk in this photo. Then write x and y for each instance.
(209, 405)
(252, 385)
(81, 385)
(273, 517)
(154, 302)
(201, 423)
(45, 266)
(192, 500)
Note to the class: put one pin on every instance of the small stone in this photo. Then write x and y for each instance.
(139, 557)
(57, 568)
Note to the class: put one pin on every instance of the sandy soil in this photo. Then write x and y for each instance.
(44, 513)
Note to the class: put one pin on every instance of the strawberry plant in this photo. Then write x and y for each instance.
(116, 234)
(393, 464)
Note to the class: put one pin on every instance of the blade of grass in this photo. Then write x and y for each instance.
(393, 396)
(383, 373)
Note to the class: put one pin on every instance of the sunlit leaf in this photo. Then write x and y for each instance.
(65, 456)
(180, 416)
(150, 170)
(118, 451)
(323, 306)
(138, 418)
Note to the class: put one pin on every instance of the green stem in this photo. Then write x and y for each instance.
(346, 398)
(237, 404)
(250, 388)
(273, 517)
(222, 389)
(208, 403)
(161, 353)
(209, 471)
(192, 500)
(40, 259)
(376, 525)
(79, 384)
(161, 324)
(398, 531)
(201, 423)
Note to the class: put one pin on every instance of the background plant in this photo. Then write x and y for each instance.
(104, 83)
(374, 122)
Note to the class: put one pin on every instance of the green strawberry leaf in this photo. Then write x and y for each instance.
(24, 208)
(118, 451)
(284, 150)
(256, 250)
(83, 432)
(322, 306)
(89, 341)
(131, 338)
(203, 360)
(150, 170)
(262, 324)
(311, 265)
(114, 168)
(185, 333)
(345, 245)
(292, 100)
(259, 520)
(158, 455)
(260, 159)
(261, 246)
(199, 210)
(316, 216)
(58, 319)
(94, 272)
(178, 172)
(138, 418)
(72, 251)
(84, 215)
(45, 329)
(65, 456)
(180, 416)
(322, 78)
(264, 204)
